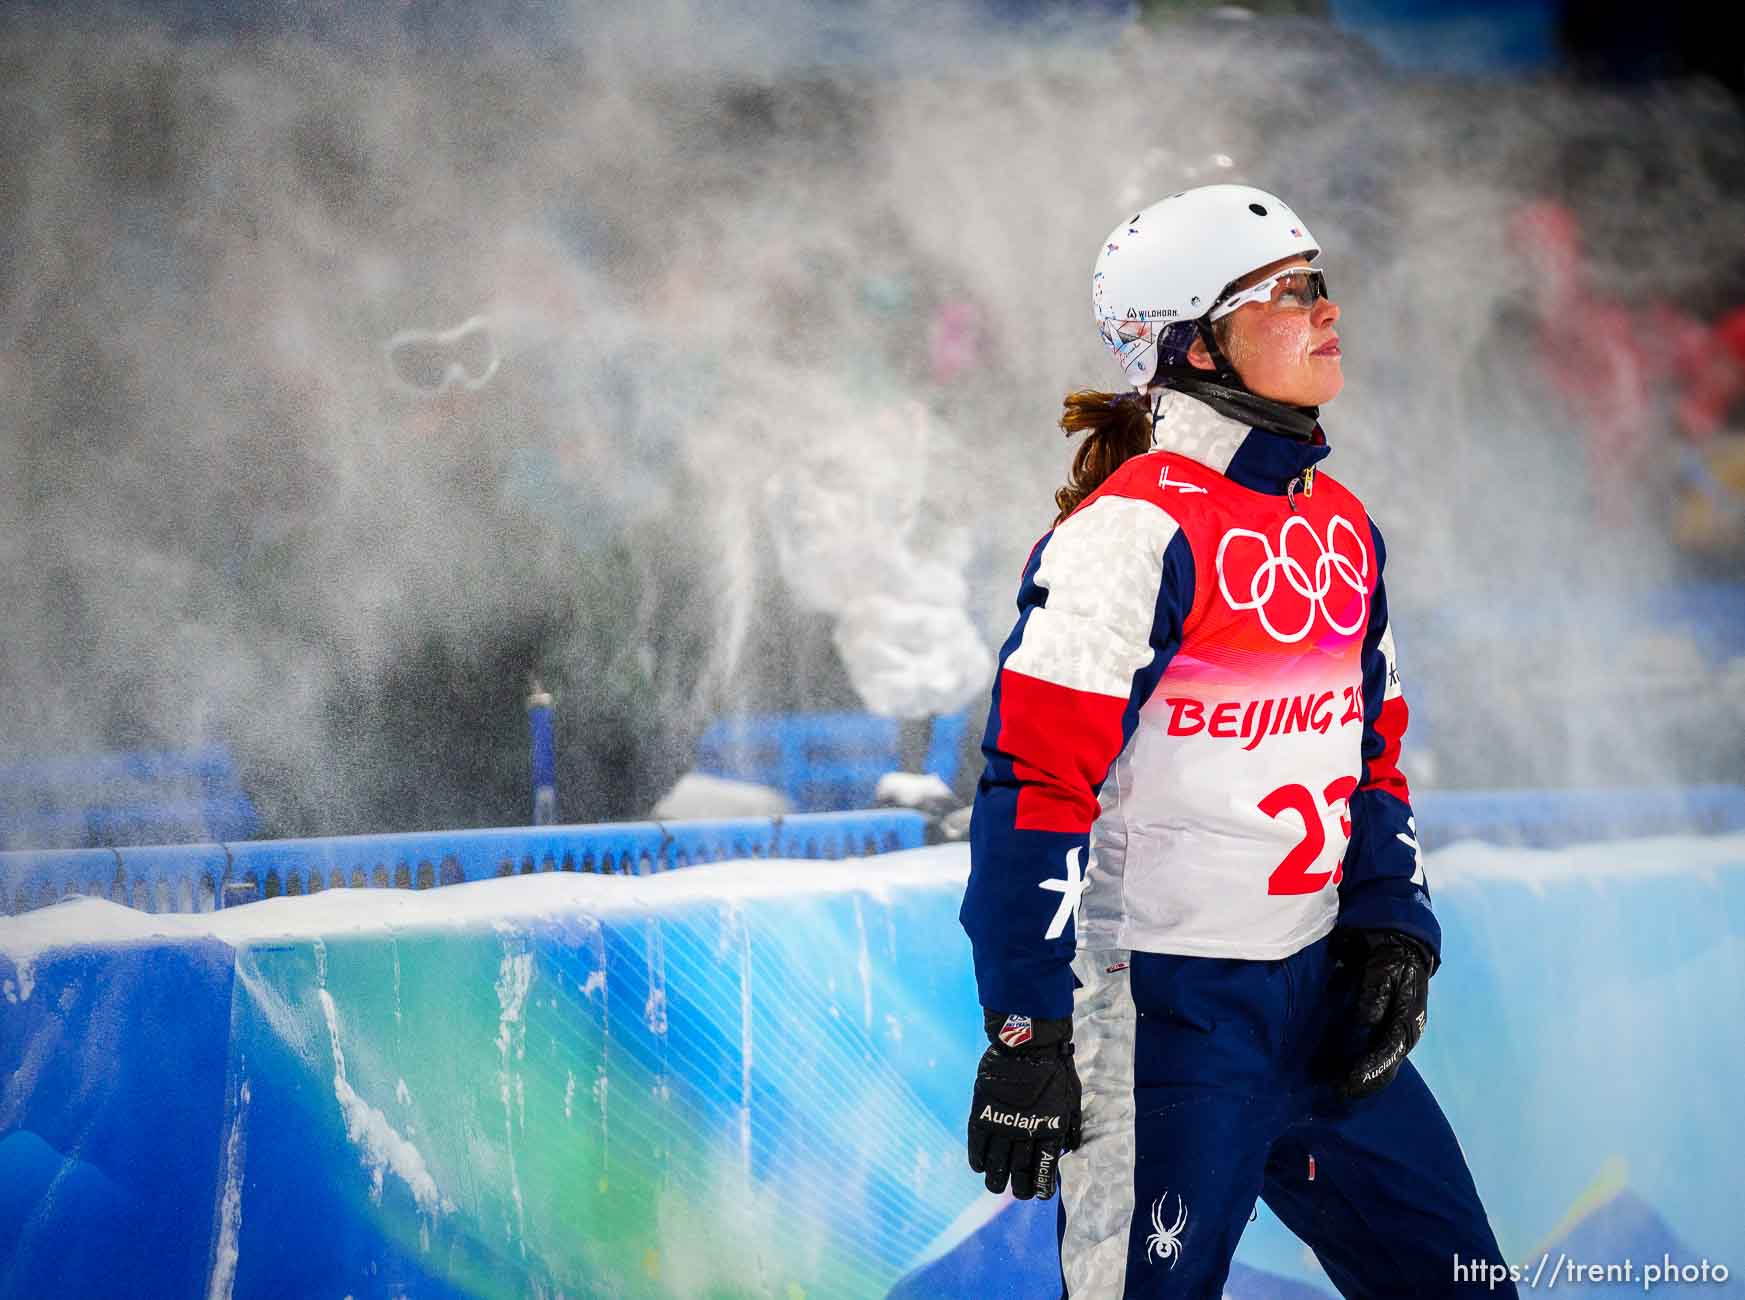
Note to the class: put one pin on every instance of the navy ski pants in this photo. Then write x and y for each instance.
(1209, 1082)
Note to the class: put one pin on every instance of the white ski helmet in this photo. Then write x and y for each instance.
(1163, 270)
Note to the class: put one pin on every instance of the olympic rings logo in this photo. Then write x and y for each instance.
(1331, 567)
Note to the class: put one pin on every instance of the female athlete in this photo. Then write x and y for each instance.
(1195, 885)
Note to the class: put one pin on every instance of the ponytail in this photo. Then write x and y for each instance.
(1117, 427)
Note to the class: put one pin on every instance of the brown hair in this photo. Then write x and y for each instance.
(1117, 427)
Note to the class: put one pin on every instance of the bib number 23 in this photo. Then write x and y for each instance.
(1296, 874)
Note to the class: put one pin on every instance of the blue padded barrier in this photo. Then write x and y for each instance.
(1710, 613)
(202, 877)
(824, 761)
(229, 817)
(89, 800)
(208, 768)
(752, 1083)
(1551, 818)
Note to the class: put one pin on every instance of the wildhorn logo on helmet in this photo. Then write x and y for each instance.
(1330, 563)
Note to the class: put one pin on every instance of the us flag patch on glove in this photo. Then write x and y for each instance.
(1016, 1031)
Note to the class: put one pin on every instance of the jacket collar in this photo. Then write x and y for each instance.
(1251, 457)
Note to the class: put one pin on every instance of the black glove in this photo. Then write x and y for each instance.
(1026, 1106)
(1393, 971)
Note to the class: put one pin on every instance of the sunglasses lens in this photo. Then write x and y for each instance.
(430, 362)
(475, 353)
(1300, 289)
(1297, 287)
(422, 364)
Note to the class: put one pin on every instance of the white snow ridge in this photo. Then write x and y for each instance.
(224, 1250)
(382, 1148)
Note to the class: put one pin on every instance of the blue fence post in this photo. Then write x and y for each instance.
(539, 724)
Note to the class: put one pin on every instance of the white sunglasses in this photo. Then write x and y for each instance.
(1306, 294)
(430, 361)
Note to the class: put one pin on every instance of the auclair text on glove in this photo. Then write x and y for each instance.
(1015, 1120)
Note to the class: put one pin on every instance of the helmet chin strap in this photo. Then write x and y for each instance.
(1222, 389)
(1223, 371)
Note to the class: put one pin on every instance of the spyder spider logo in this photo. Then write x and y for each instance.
(1166, 1243)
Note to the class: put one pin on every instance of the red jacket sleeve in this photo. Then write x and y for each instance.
(1100, 613)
